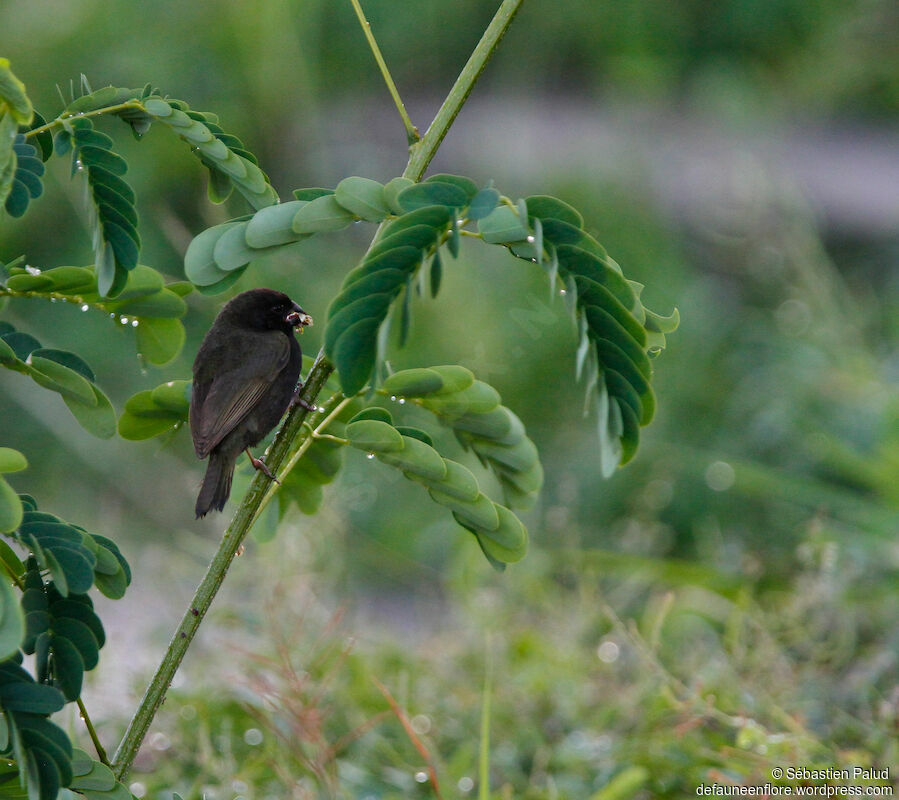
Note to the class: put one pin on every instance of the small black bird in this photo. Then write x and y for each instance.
(245, 376)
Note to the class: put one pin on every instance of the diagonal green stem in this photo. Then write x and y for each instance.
(412, 134)
(215, 573)
(422, 153)
(92, 732)
(95, 113)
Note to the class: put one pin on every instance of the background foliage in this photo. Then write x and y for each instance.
(720, 605)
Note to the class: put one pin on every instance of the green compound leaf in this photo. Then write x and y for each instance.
(229, 163)
(62, 372)
(618, 335)
(112, 212)
(75, 559)
(472, 409)
(143, 298)
(499, 532)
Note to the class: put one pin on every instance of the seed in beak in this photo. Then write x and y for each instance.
(298, 319)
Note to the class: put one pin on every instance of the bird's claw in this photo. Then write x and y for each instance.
(296, 400)
(259, 464)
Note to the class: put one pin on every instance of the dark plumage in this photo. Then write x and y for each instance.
(245, 375)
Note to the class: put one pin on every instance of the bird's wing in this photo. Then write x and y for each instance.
(221, 403)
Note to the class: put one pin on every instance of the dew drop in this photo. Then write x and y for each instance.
(720, 476)
(253, 736)
(32, 270)
(465, 784)
(531, 240)
(402, 400)
(608, 652)
(421, 776)
(134, 323)
(563, 292)
(84, 306)
(421, 723)
(111, 315)
(52, 299)
(369, 455)
(124, 320)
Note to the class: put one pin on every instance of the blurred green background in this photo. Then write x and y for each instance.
(725, 603)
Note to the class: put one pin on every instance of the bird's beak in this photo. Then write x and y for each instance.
(298, 318)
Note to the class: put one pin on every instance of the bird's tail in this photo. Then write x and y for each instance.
(216, 484)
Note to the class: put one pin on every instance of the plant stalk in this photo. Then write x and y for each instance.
(215, 573)
(92, 732)
(423, 152)
(412, 134)
(421, 155)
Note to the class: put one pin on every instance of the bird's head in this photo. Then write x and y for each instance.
(266, 309)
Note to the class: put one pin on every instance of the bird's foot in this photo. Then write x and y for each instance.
(259, 464)
(296, 400)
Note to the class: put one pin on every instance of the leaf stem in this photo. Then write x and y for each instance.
(95, 113)
(423, 152)
(412, 134)
(92, 732)
(421, 155)
(311, 436)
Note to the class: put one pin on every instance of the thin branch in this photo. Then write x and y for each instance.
(424, 151)
(95, 113)
(281, 447)
(215, 574)
(92, 732)
(412, 134)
